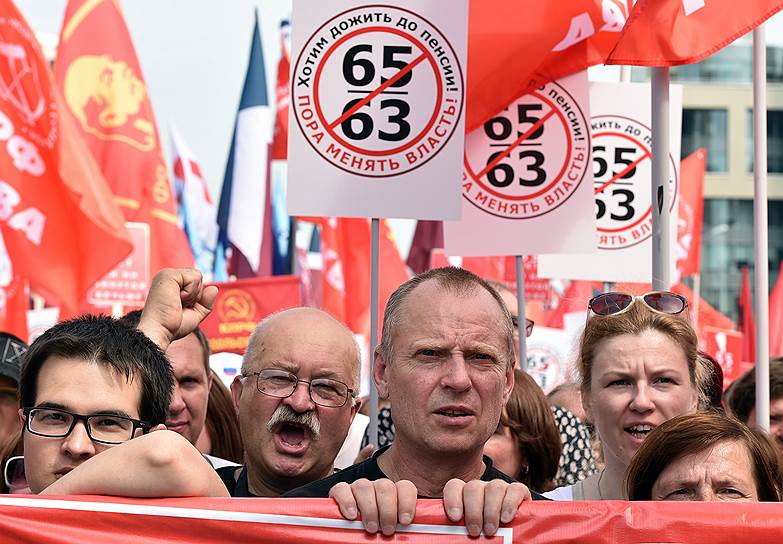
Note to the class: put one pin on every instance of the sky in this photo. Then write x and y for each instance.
(193, 54)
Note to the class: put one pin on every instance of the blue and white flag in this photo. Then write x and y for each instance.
(243, 196)
(196, 209)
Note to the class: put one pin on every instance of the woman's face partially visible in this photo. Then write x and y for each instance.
(504, 451)
(637, 383)
(723, 472)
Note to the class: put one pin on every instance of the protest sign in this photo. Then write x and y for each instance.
(527, 182)
(622, 180)
(377, 108)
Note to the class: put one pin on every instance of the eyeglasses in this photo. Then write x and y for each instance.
(528, 325)
(662, 302)
(102, 428)
(281, 384)
(13, 473)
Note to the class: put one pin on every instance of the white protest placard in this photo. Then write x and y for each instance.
(622, 180)
(527, 184)
(549, 357)
(377, 108)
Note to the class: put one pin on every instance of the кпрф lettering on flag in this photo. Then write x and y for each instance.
(196, 209)
(243, 206)
(99, 76)
(674, 32)
(60, 230)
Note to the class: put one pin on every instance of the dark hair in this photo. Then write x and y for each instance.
(694, 433)
(106, 341)
(222, 423)
(741, 396)
(450, 278)
(133, 317)
(533, 427)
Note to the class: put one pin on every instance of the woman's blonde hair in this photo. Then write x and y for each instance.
(637, 320)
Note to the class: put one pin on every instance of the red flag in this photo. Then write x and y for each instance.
(691, 212)
(515, 46)
(345, 246)
(575, 299)
(674, 32)
(776, 317)
(14, 303)
(60, 229)
(279, 149)
(100, 78)
(708, 315)
(747, 324)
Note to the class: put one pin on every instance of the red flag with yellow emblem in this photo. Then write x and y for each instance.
(59, 229)
(100, 78)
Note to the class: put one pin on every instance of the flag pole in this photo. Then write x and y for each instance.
(661, 214)
(760, 235)
(521, 313)
(374, 251)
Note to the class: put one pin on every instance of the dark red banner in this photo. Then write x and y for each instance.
(241, 304)
(100, 519)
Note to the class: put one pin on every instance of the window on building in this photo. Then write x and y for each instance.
(774, 141)
(707, 128)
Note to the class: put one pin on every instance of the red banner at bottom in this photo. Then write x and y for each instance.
(109, 520)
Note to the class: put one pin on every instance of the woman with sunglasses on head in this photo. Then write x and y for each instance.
(639, 367)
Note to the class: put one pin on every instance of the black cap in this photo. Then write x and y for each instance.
(12, 351)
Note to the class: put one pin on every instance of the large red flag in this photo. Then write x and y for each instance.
(673, 32)
(100, 78)
(747, 324)
(776, 317)
(515, 46)
(691, 212)
(60, 229)
(345, 247)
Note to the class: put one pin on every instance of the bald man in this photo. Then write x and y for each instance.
(296, 399)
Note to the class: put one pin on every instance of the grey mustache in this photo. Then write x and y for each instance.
(285, 415)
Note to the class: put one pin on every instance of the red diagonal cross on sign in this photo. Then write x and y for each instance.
(624, 171)
(385, 85)
(516, 142)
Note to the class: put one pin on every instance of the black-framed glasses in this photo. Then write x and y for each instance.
(281, 384)
(662, 302)
(102, 428)
(529, 323)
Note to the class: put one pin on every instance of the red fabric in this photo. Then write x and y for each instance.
(776, 317)
(14, 303)
(515, 46)
(747, 323)
(60, 228)
(674, 32)
(575, 299)
(691, 213)
(345, 247)
(56, 520)
(708, 315)
(241, 304)
(100, 79)
(279, 149)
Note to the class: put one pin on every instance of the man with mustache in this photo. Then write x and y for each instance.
(296, 398)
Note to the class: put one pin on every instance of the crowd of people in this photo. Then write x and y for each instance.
(461, 422)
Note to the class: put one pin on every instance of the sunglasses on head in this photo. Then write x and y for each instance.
(662, 302)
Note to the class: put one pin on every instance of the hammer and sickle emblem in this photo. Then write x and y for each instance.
(236, 306)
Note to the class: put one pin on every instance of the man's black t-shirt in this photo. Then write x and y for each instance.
(237, 487)
(369, 469)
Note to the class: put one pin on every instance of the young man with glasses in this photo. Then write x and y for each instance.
(91, 391)
(296, 399)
